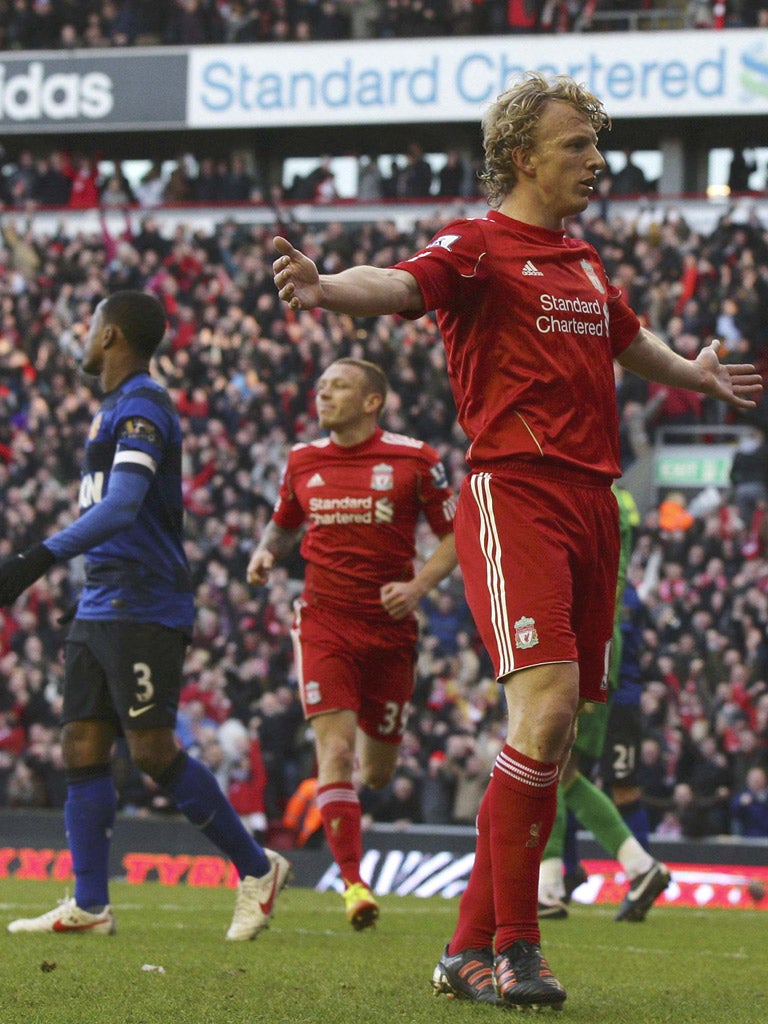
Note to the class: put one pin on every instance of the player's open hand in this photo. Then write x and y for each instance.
(739, 384)
(296, 276)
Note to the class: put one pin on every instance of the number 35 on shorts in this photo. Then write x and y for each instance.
(394, 719)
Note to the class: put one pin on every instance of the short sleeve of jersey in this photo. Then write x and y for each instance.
(449, 265)
(142, 429)
(288, 513)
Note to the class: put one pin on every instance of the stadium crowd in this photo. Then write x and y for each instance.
(58, 179)
(72, 24)
(241, 369)
(47, 179)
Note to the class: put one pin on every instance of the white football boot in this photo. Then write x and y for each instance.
(68, 917)
(256, 898)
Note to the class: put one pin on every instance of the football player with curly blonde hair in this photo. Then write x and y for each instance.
(531, 326)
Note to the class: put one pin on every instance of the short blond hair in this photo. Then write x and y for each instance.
(511, 123)
(375, 378)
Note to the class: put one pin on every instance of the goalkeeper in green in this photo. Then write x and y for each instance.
(610, 734)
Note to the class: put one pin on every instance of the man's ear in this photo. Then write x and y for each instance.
(374, 403)
(109, 335)
(523, 161)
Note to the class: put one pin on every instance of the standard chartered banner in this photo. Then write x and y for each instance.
(101, 91)
(649, 74)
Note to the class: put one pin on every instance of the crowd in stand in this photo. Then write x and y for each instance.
(45, 178)
(71, 24)
(57, 179)
(241, 368)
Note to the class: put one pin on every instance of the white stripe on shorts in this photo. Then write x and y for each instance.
(298, 661)
(490, 545)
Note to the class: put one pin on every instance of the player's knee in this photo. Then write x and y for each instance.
(152, 755)
(543, 703)
(375, 776)
(148, 764)
(547, 737)
(336, 759)
(86, 743)
(569, 769)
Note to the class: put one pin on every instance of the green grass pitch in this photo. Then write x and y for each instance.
(682, 966)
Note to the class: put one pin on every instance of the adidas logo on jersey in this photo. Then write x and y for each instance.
(529, 270)
(316, 481)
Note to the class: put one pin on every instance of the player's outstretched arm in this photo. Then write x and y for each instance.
(359, 291)
(738, 384)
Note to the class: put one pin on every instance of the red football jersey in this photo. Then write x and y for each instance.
(362, 505)
(530, 326)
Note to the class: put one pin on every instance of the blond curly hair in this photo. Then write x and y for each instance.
(511, 123)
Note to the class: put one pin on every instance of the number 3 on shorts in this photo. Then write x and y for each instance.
(145, 689)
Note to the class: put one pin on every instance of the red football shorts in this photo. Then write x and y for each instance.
(346, 662)
(539, 552)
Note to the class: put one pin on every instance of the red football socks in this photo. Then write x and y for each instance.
(340, 810)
